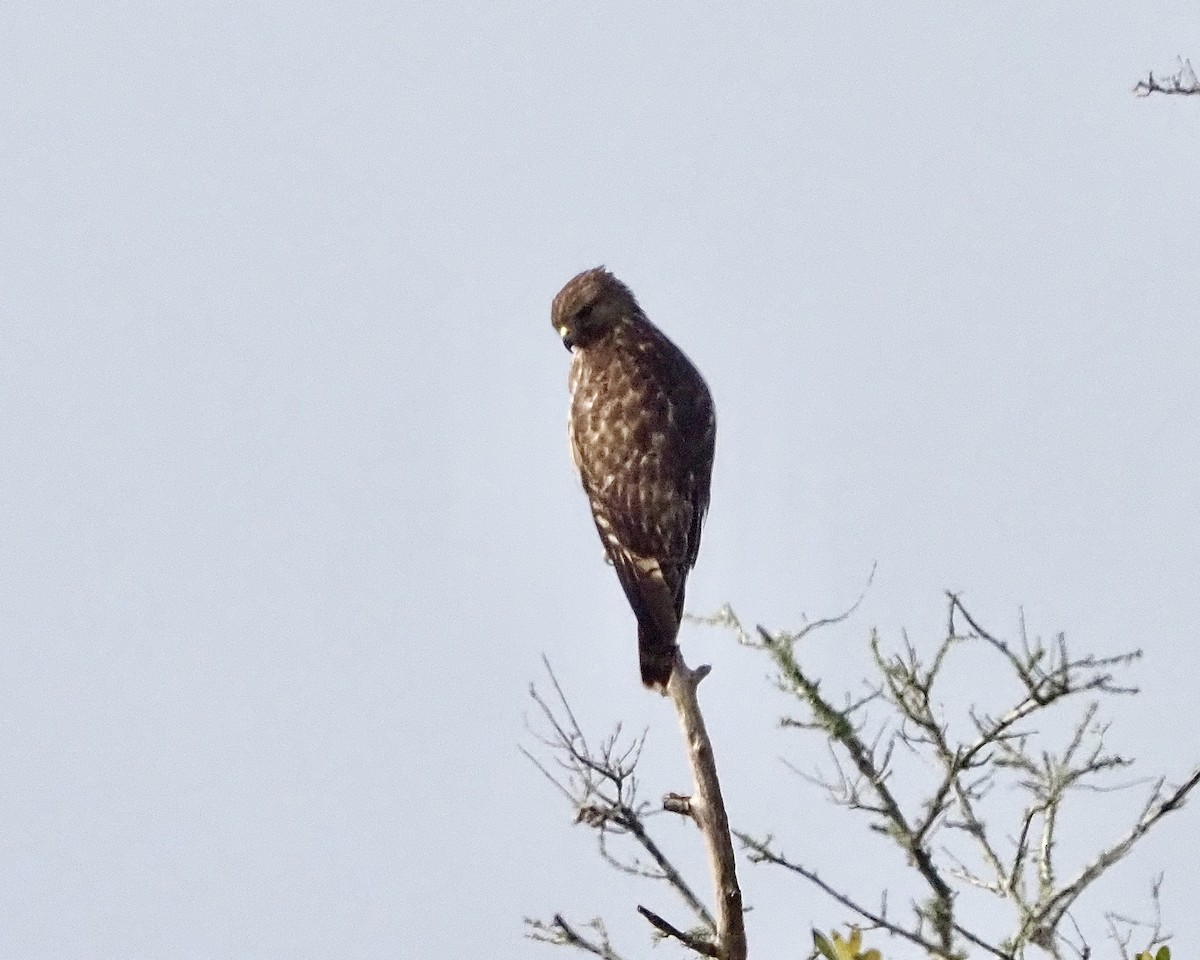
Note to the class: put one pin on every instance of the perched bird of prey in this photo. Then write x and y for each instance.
(642, 429)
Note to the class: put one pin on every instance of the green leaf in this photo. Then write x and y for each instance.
(1164, 953)
(825, 948)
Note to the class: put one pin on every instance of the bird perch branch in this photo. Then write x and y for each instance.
(707, 808)
(600, 782)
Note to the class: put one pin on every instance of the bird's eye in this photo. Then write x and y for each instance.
(584, 313)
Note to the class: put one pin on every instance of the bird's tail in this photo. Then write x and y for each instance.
(656, 655)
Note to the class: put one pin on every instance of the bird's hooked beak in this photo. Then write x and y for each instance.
(568, 341)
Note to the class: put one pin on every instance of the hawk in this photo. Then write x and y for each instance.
(642, 429)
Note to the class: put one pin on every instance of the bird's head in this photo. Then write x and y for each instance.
(590, 306)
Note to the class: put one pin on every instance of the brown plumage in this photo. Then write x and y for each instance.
(642, 430)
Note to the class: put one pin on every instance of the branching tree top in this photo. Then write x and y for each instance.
(981, 829)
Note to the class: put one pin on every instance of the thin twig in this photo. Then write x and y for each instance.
(838, 727)
(760, 852)
(560, 932)
(1155, 810)
(668, 929)
(602, 788)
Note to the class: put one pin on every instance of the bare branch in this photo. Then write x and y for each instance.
(1156, 933)
(972, 763)
(967, 772)
(725, 617)
(844, 615)
(1048, 677)
(703, 947)
(760, 852)
(972, 938)
(1156, 808)
(837, 726)
(708, 810)
(559, 932)
(601, 786)
(1183, 82)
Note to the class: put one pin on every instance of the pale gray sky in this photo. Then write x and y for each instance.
(288, 513)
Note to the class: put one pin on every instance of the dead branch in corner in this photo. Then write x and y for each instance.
(1183, 82)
